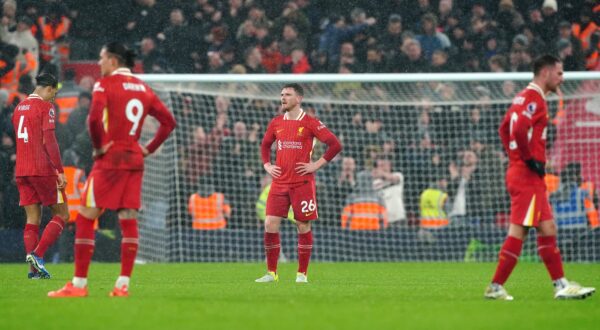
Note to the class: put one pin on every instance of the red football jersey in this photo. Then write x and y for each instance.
(31, 118)
(523, 130)
(295, 139)
(120, 104)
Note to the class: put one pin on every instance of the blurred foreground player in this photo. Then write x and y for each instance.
(120, 104)
(293, 178)
(523, 134)
(39, 171)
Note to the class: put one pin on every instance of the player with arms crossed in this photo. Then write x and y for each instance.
(523, 134)
(120, 104)
(39, 172)
(293, 178)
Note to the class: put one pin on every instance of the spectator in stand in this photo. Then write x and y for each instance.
(392, 36)
(297, 63)
(348, 59)
(145, 18)
(24, 39)
(439, 62)
(411, 59)
(77, 122)
(336, 32)
(292, 16)
(86, 83)
(430, 39)
(508, 19)
(464, 188)
(8, 21)
(290, 40)
(390, 186)
(235, 14)
(271, 57)
(246, 36)
(199, 155)
(551, 18)
(235, 171)
(375, 60)
(564, 49)
(254, 61)
(497, 63)
(152, 59)
(565, 33)
(215, 63)
(178, 42)
(229, 57)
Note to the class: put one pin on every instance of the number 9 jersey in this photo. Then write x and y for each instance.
(120, 104)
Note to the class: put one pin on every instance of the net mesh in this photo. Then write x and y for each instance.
(400, 139)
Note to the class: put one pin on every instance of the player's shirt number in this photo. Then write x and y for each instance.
(309, 206)
(134, 112)
(22, 131)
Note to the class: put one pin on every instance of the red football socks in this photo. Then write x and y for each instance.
(550, 254)
(305, 244)
(129, 245)
(51, 234)
(30, 237)
(509, 254)
(272, 248)
(84, 245)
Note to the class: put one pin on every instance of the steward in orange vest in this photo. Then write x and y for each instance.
(209, 209)
(366, 212)
(54, 29)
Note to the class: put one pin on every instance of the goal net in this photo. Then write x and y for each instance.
(421, 176)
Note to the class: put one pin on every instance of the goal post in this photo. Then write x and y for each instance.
(408, 140)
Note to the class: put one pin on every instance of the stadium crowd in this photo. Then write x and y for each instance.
(302, 36)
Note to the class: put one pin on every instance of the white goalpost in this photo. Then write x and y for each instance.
(436, 132)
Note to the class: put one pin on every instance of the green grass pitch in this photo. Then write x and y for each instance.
(339, 296)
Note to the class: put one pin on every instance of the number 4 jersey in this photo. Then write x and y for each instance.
(120, 103)
(31, 118)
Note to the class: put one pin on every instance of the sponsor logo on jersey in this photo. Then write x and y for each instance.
(289, 145)
(97, 88)
(52, 115)
(519, 100)
(530, 110)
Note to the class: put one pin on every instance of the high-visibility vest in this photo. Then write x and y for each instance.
(585, 34)
(552, 182)
(261, 206)
(591, 211)
(10, 80)
(50, 33)
(67, 103)
(75, 181)
(365, 214)
(431, 206)
(208, 213)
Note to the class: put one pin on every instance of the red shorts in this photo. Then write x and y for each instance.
(302, 196)
(40, 190)
(528, 199)
(113, 189)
